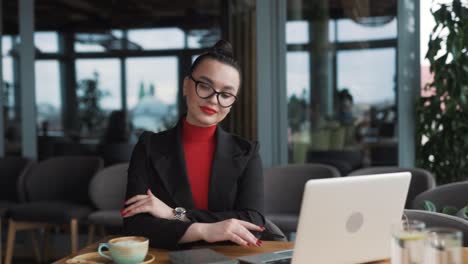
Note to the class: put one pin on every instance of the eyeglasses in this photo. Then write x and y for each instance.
(205, 91)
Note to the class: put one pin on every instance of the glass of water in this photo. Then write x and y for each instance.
(407, 245)
(443, 246)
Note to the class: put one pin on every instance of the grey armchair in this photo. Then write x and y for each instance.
(116, 153)
(57, 193)
(432, 219)
(421, 180)
(452, 194)
(284, 187)
(12, 171)
(107, 192)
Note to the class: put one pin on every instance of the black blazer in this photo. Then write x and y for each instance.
(235, 187)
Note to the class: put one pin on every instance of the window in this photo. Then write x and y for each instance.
(202, 38)
(46, 41)
(89, 42)
(369, 75)
(152, 85)
(48, 95)
(297, 32)
(163, 38)
(106, 72)
(8, 85)
(349, 30)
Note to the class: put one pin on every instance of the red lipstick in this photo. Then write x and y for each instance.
(207, 110)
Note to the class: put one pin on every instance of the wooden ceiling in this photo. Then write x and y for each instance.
(97, 15)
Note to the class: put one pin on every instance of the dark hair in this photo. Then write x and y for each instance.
(222, 52)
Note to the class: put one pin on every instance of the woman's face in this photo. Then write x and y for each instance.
(223, 78)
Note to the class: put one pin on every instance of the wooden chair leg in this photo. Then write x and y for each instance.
(46, 248)
(1, 246)
(102, 231)
(10, 241)
(91, 231)
(74, 235)
(35, 245)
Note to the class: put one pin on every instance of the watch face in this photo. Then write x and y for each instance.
(179, 210)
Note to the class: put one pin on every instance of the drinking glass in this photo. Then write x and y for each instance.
(407, 246)
(443, 246)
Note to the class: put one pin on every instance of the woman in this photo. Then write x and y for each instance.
(196, 182)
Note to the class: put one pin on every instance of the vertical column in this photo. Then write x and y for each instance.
(409, 79)
(321, 68)
(68, 82)
(2, 121)
(271, 81)
(123, 72)
(27, 74)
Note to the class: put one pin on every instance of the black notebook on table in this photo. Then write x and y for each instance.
(197, 256)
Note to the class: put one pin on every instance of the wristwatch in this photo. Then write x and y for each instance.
(179, 213)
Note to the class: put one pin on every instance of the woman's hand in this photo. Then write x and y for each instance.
(233, 230)
(147, 204)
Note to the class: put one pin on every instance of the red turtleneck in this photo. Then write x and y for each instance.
(199, 146)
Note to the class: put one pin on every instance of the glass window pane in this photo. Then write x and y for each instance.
(90, 42)
(331, 30)
(298, 92)
(6, 45)
(7, 69)
(202, 38)
(161, 38)
(48, 94)
(8, 86)
(297, 32)
(107, 73)
(152, 85)
(369, 75)
(297, 76)
(350, 90)
(349, 30)
(46, 41)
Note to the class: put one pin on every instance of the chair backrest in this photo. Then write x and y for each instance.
(12, 171)
(284, 185)
(452, 194)
(62, 178)
(384, 154)
(344, 160)
(421, 180)
(107, 188)
(432, 219)
(116, 153)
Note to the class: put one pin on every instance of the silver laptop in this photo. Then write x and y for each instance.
(345, 220)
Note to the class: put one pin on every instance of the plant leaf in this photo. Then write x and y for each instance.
(429, 206)
(450, 210)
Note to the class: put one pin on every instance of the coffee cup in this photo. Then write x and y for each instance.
(125, 250)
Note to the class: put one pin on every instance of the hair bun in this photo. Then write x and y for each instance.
(223, 47)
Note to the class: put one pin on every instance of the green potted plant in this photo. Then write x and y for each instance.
(90, 113)
(450, 210)
(442, 127)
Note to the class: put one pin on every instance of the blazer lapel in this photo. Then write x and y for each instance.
(228, 163)
(170, 165)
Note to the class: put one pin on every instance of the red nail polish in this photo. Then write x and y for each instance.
(259, 243)
(262, 227)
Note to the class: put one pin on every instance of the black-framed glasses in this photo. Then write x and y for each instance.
(205, 91)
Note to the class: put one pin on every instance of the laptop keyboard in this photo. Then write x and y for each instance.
(279, 261)
(285, 257)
